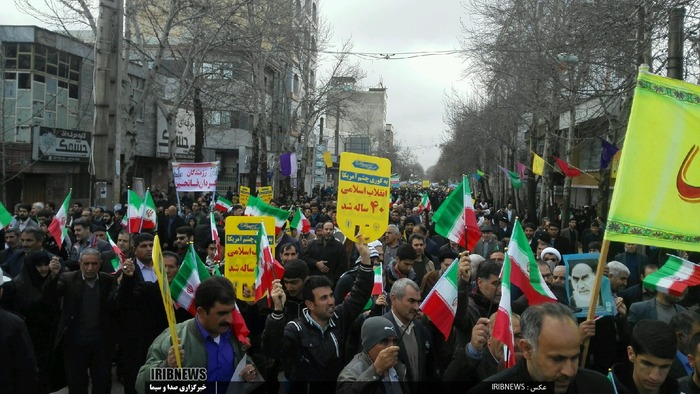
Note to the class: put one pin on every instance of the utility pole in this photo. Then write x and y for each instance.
(675, 43)
(108, 49)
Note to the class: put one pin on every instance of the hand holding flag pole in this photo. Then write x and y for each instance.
(595, 293)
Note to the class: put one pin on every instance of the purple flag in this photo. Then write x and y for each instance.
(606, 155)
(285, 164)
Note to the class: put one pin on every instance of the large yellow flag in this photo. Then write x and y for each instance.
(537, 164)
(656, 200)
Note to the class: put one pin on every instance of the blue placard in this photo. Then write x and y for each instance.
(580, 280)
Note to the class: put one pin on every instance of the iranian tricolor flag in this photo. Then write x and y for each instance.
(118, 259)
(5, 216)
(264, 274)
(238, 326)
(424, 203)
(455, 219)
(148, 213)
(300, 222)
(222, 204)
(57, 228)
(525, 273)
(503, 326)
(674, 277)
(214, 236)
(134, 214)
(192, 272)
(441, 303)
(378, 284)
(258, 207)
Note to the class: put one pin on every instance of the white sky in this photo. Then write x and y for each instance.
(416, 87)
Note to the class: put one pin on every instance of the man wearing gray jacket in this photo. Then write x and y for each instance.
(377, 368)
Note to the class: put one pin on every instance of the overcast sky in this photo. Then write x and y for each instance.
(416, 87)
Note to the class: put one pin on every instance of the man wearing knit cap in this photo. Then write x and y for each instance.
(376, 369)
(288, 303)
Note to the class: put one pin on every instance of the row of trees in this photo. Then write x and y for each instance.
(537, 63)
(254, 58)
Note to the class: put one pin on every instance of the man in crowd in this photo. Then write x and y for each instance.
(18, 369)
(113, 228)
(691, 384)
(416, 345)
(594, 235)
(140, 308)
(618, 274)
(650, 356)
(326, 255)
(22, 220)
(685, 324)
(662, 307)
(377, 365)
(11, 257)
(572, 236)
(482, 355)
(167, 228)
(392, 241)
(487, 244)
(551, 348)
(432, 249)
(550, 256)
(559, 275)
(86, 298)
(208, 340)
(423, 263)
(324, 324)
(555, 240)
(635, 261)
(82, 229)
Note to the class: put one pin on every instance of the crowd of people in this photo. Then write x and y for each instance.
(70, 316)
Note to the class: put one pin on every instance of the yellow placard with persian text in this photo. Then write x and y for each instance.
(426, 183)
(241, 250)
(243, 194)
(265, 193)
(363, 195)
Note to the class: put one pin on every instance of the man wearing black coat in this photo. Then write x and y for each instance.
(551, 350)
(85, 326)
(18, 370)
(141, 314)
(326, 255)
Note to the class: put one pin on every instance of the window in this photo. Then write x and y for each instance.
(217, 70)
(137, 96)
(295, 86)
(219, 118)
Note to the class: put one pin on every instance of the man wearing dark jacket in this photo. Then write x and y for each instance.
(86, 323)
(417, 351)
(18, 370)
(326, 255)
(140, 307)
(313, 345)
(551, 350)
(650, 357)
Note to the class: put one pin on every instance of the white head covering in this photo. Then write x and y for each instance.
(551, 251)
